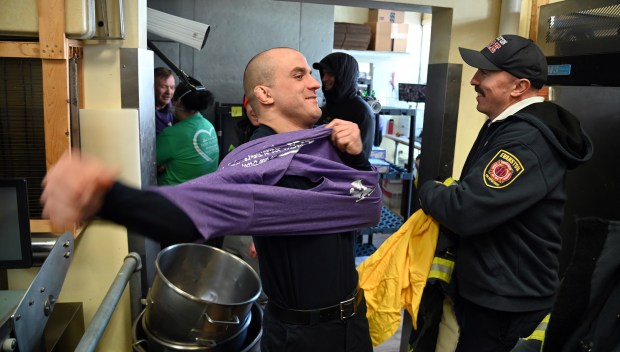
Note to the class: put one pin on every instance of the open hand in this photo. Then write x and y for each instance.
(74, 189)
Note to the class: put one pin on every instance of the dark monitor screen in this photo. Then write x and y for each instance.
(414, 93)
(228, 117)
(15, 241)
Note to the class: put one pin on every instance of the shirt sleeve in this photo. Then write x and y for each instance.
(358, 162)
(505, 181)
(367, 130)
(149, 214)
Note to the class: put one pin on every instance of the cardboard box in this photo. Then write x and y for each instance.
(382, 166)
(380, 36)
(351, 36)
(392, 200)
(378, 15)
(340, 32)
(392, 186)
(386, 36)
(399, 34)
(377, 153)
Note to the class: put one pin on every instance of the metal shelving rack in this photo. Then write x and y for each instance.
(390, 221)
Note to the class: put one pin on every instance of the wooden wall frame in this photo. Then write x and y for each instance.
(55, 51)
(533, 34)
(534, 17)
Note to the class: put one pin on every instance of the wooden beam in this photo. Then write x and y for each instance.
(52, 29)
(56, 115)
(32, 50)
(40, 226)
(56, 109)
(20, 49)
(534, 17)
(44, 226)
(54, 50)
(54, 54)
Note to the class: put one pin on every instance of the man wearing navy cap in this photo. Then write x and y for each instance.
(506, 209)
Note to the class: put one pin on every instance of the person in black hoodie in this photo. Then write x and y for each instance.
(506, 210)
(339, 73)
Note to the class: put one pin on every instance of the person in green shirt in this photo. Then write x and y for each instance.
(189, 148)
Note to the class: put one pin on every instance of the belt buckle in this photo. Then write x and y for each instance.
(347, 303)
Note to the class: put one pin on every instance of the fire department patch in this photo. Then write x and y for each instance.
(502, 170)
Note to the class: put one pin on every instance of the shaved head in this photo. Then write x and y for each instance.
(261, 71)
(280, 88)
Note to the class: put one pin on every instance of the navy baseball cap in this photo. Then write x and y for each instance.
(321, 66)
(511, 53)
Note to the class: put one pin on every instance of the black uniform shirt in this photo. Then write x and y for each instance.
(307, 272)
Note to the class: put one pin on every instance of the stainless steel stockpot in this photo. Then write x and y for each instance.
(199, 293)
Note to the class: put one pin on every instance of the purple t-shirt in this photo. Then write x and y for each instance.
(163, 118)
(241, 197)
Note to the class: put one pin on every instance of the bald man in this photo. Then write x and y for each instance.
(305, 254)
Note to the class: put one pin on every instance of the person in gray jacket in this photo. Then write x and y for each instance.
(506, 210)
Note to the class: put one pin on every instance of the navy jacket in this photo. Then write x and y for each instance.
(507, 208)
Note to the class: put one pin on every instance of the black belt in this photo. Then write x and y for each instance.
(341, 311)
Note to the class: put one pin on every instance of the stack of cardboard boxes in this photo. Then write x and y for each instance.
(351, 36)
(377, 159)
(387, 30)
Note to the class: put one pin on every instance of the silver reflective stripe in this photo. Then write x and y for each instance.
(541, 329)
(441, 269)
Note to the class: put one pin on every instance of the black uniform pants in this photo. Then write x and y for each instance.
(483, 329)
(351, 335)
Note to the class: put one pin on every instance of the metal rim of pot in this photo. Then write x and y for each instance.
(188, 295)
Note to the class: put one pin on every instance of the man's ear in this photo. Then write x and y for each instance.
(263, 95)
(521, 87)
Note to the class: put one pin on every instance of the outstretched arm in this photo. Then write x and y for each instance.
(78, 188)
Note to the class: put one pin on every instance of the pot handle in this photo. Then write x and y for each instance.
(136, 345)
(206, 342)
(202, 339)
(234, 320)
